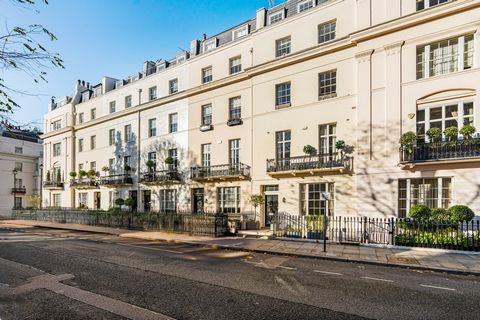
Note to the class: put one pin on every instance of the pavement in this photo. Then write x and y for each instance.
(461, 262)
(66, 274)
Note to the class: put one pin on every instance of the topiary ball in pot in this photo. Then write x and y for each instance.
(420, 212)
(460, 213)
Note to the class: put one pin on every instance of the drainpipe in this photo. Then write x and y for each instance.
(371, 105)
(401, 88)
(139, 139)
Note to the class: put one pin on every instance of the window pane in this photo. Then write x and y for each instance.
(436, 113)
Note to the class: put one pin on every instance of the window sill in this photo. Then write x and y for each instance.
(234, 122)
(327, 96)
(207, 127)
(282, 106)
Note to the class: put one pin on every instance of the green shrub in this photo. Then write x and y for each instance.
(119, 202)
(434, 134)
(460, 213)
(440, 214)
(408, 138)
(340, 145)
(468, 131)
(451, 133)
(420, 212)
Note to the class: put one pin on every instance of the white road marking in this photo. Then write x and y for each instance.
(327, 272)
(150, 248)
(287, 268)
(435, 287)
(376, 279)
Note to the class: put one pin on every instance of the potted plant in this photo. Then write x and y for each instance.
(129, 202)
(150, 164)
(407, 140)
(309, 150)
(105, 170)
(73, 175)
(169, 160)
(468, 131)
(59, 176)
(91, 174)
(451, 133)
(257, 200)
(82, 173)
(340, 145)
(434, 134)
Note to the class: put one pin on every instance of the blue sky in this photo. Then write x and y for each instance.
(113, 38)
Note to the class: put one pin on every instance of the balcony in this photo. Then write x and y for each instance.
(84, 184)
(53, 185)
(440, 153)
(19, 190)
(224, 172)
(116, 181)
(308, 165)
(160, 177)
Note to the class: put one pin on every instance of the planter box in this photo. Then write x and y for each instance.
(252, 225)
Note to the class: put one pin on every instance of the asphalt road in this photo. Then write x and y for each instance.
(57, 274)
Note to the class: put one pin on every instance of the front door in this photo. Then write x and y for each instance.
(198, 200)
(271, 208)
(97, 200)
(147, 200)
(133, 195)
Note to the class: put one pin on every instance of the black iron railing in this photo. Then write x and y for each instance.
(160, 176)
(19, 190)
(118, 179)
(53, 185)
(462, 149)
(84, 183)
(219, 171)
(321, 161)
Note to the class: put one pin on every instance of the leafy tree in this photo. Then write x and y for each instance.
(22, 50)
(35, 201)
(468, 131)
(119, 202)
(256, 200)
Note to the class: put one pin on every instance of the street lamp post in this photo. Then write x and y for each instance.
(14, 171)
(41, 184)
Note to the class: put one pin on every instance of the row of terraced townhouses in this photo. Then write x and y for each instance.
(304, 104)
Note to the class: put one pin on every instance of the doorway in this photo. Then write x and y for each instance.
(271, 208)
(147, 200)
(134, 196)
(97, 203)
(198, 200)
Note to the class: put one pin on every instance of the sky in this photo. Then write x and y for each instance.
(99, 38)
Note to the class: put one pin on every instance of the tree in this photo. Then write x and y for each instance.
(21, 50)
(105, 170)
(35, 201)
(257, 200)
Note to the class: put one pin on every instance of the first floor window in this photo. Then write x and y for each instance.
(111, 166)
(173, 122)
(282, 94)
(111, 137)
(172, 153)
(56, 149)
(80, 145)
(317, 199)
(152, 127)
(152, 156)
(432, 192)
(168, 201)
(57, 200)
(328, 139)
(327, 84)
(229, 200)
(128, 133)
(234, 152)
(83, 200)
(206, 115)
(235, 111)
(206, 154)
(93, 142)
(283, 144)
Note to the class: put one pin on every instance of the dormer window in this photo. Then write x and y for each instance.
(209, 44)
(305, 5)
(86, 96)
(118, 84)
(240, 32)
(97, 91)
(276, 17)
(424, 4)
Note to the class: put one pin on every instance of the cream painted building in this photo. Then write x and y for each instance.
(341, 80)
(20, 166)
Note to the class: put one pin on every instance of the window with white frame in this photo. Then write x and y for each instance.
(80, 145)
(152, 93)
(97, 91)
(173, 122)
(83, 200)
(283, 141)
(168, 201)
(111, 137)
(93, 166)
(152, 127)
(128, 133)
(305, 5)
(317, 199)
(128, 101)
(423, 4)
(152, 156)
(173, 86)
(111, 166)
(327, 139)
(56, 125)
(93, 142)
(206, 154)
(86, 96)
(282, 94)
(432, 192)
(93, 114)
(235, 65)
(57, 150)
(113, 106)
(283, 46)
(445, 56)
(235, 108)
(172, 153)
(209, 44)
(127, 163)
(18, 166)
(276, 17)
(228, 199)
(81, 118)
(326, 31)
(234, 152)
(19, 150)
(327, 84)
(442, 117)
(207, 74)
(240, 32)
(57, 200)
(207, 115)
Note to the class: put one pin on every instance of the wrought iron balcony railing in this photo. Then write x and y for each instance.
(53, 185)
(224, 171)
(302, 163)
(116, 180)
(84, 183)
(162, 176)
(436, 151)
(19, 190)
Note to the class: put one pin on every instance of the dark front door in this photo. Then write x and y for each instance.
(97, 200)
(271, 208)
(147, 200)
(134, 196)
(198, 200)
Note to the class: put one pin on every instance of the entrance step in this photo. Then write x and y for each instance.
(255, 233)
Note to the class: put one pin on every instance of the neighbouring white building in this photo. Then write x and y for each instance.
(21, 156)
(305, 104)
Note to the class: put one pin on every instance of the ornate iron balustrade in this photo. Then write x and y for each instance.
(162, 176)
(53, 185)
(223, 171)
(116, 180)
(84, 183)
(447, 150)
(316, 162)
(19, 190)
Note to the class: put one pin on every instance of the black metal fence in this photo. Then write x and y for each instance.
(320, 161)
(208, 225)
(468, 148)
(224, 170)
(389, 231)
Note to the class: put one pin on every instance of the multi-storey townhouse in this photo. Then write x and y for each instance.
(20, 166)
(304, 104)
